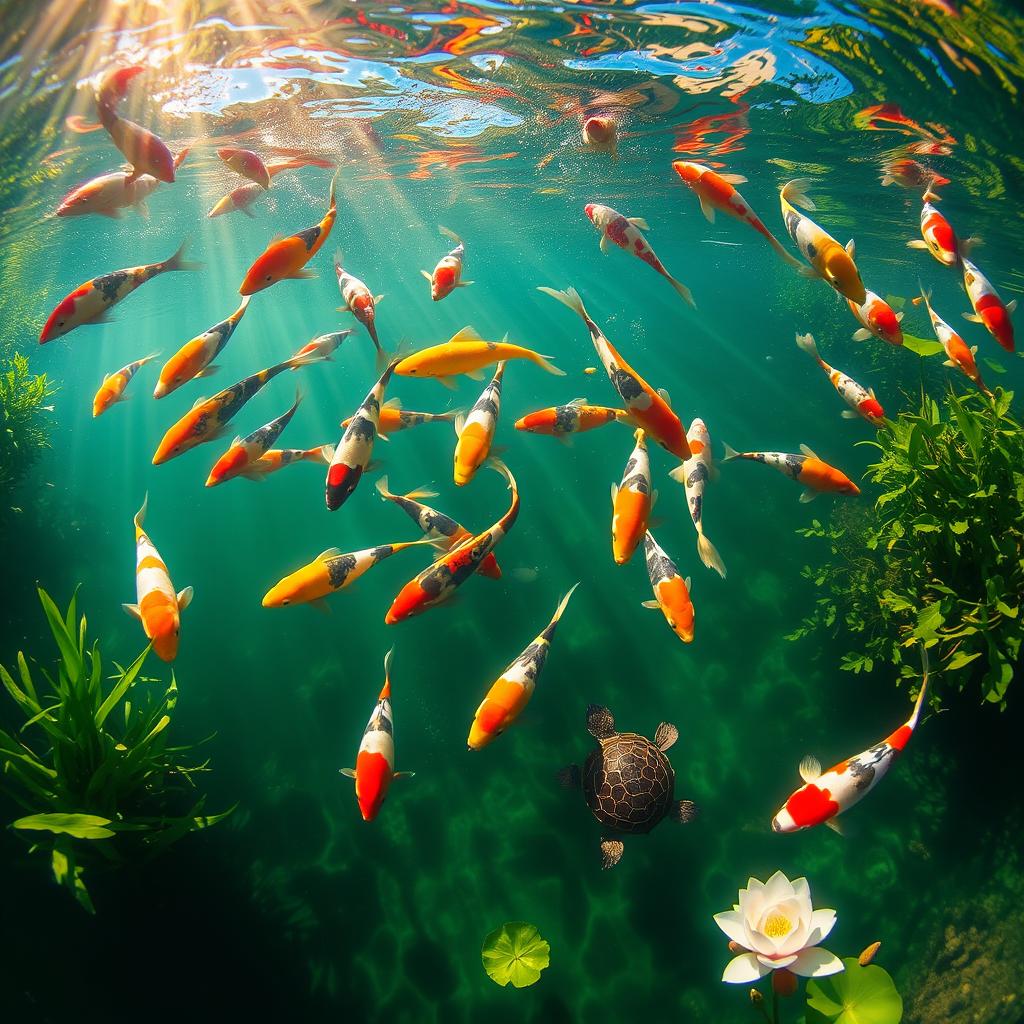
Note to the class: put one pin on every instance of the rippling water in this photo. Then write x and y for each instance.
(468, 116)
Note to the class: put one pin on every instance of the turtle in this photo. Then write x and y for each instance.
(628, 782)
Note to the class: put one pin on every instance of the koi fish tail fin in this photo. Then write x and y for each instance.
(499, 467)
(968, 245)
(304, 359)
(930, 195)
(919, 704)
(784, 254)
(805, 342)
(419, 492)
(324, 454)
(178, 261)
(926, 294)
(385, 693)
(382, 359)
(331, 204)
(562, 605)
(544, 364)
(140, 516)
(709, 553)
(382, 487)
(180, 158)
(338, 261)
(684, 292)
(730, 452)
(449, 234)
(570, 297)
(795, 192)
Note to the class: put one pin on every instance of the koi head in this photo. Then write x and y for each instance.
(268, 269)
(688, 171)
(872, 410)
(60, 321)
(104, 399)
(373, 777)
(178, 439)
(808, 806)
(163, 625)
(997, 320)
(342, 480)
(841, 272)
(228, 465)
(443, 280)
(176, 371)
(599, 130)
(883, 320)
(81, 200)
(598, 215)
(411, 600)
(543, 421)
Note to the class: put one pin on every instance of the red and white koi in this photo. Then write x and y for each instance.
(245, 451)
(158, 606)
(861, 400)
(246, 163)
(627, 233)
(576, 417)
(938, 236)
(825, 795)
(601, 133)
(632, 501)
(447, 275)
(694, 475)
(511, 692)
(475, 432)
(109, 194)
(878, 318)
(277, 458)
(958, 355)
(989, 309)
(325, 345)
(806, 468)
(361, 303)
(671, 591)
(144, 150)
(375, 763)
(90, 303)
(112, 388)
(910, 174)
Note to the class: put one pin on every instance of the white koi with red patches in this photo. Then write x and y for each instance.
(861, 400)
(361, 303)
(959, 355)
(447, 275)
(989, 309)
(694, 474)
(938, 236)
(878, 319)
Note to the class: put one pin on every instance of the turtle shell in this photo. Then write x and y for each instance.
(628, 783)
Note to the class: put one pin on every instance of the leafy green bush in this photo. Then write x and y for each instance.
(91, 764)
(24, 430)
(940, 558)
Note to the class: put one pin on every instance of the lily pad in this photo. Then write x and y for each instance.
(515, 952)
(922, 346)
(860, 995)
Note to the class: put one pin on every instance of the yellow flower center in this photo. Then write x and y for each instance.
(777, 925)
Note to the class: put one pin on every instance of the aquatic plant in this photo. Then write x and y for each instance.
(938, 561)
(515, 952)
(861, 994)
(96, 791)
(24, 423)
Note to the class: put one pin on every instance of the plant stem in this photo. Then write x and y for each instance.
(775, 1006)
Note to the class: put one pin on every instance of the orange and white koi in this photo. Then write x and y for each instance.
(277, 458)
(112, 388)
(208, 418)
(958, 355)
(601, 133)
(878, 318)
(325, 345)
(158, 606)
(632, 500)
(109, 194)
(825, 795)
(195, 358)
(436, 525)
(910, 174)
(439, 581)
(375, 763)
(694, 475)
(832, 262)
(717, 192)
(806, 468)
(144, 150)
(861, 400)
(466, 352)
(511, 692)
(671, 591)
(647, 408)
(287, 257)
(246, 163)
(627, 233)
(361, 303)
(245, 451)
(447, 275)
(989, 309)
(90, 303)
(475, 432)
(355, 449)
(575, 417)
(332, 570)
(938, 236)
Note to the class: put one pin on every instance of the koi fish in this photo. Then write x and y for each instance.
(158, 606)
(329, 572)
(112, 388)
(716, 192)
(647, 408)
(862, 401)
(878, 318)
(239, 200)
(438, 582)
(511, 692)
(144, 150)
(356, 447)
(90, 303)
(195, 358)
(287, 257)
(109, 194)
(436, 525)
(825, 795)
(816, 476)
(958, 355)
(601, 133)
(325, 345)
(244, 451)
(910, 174)
(375, 763)
(831, 261)
(938, 236)
(277, 458)
(626, 233)
(447, 275)
(989, 310)
(209, 417)
(361, 303)
(694, 475)
(574, 418)
(394, 418)
(671, 591)
(246, 163)
(475, 432)
(466, 352)
(113, 85)
(632, 501)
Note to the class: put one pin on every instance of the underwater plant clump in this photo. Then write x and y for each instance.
(96, 791)
(940, 558)
(24, 428)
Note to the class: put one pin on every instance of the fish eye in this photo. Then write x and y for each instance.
(60, 323)
(286, 600)
(270, 277)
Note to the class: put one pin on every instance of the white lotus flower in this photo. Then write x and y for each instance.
(776, 923)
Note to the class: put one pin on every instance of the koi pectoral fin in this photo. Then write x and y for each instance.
(349, 773)
(133, 611)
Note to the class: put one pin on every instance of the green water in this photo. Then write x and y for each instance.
(298, 910)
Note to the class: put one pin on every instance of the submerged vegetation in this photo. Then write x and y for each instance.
(940, 558)
(24, 424)
(91, 765)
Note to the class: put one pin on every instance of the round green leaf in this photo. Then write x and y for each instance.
(860, 995)
(515, 952)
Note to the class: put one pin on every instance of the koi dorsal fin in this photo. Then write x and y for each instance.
(466, 334)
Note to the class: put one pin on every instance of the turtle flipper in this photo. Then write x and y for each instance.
(684, 811)
(611, 853)
(665, 735)
(600, 723)
(569, 777)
